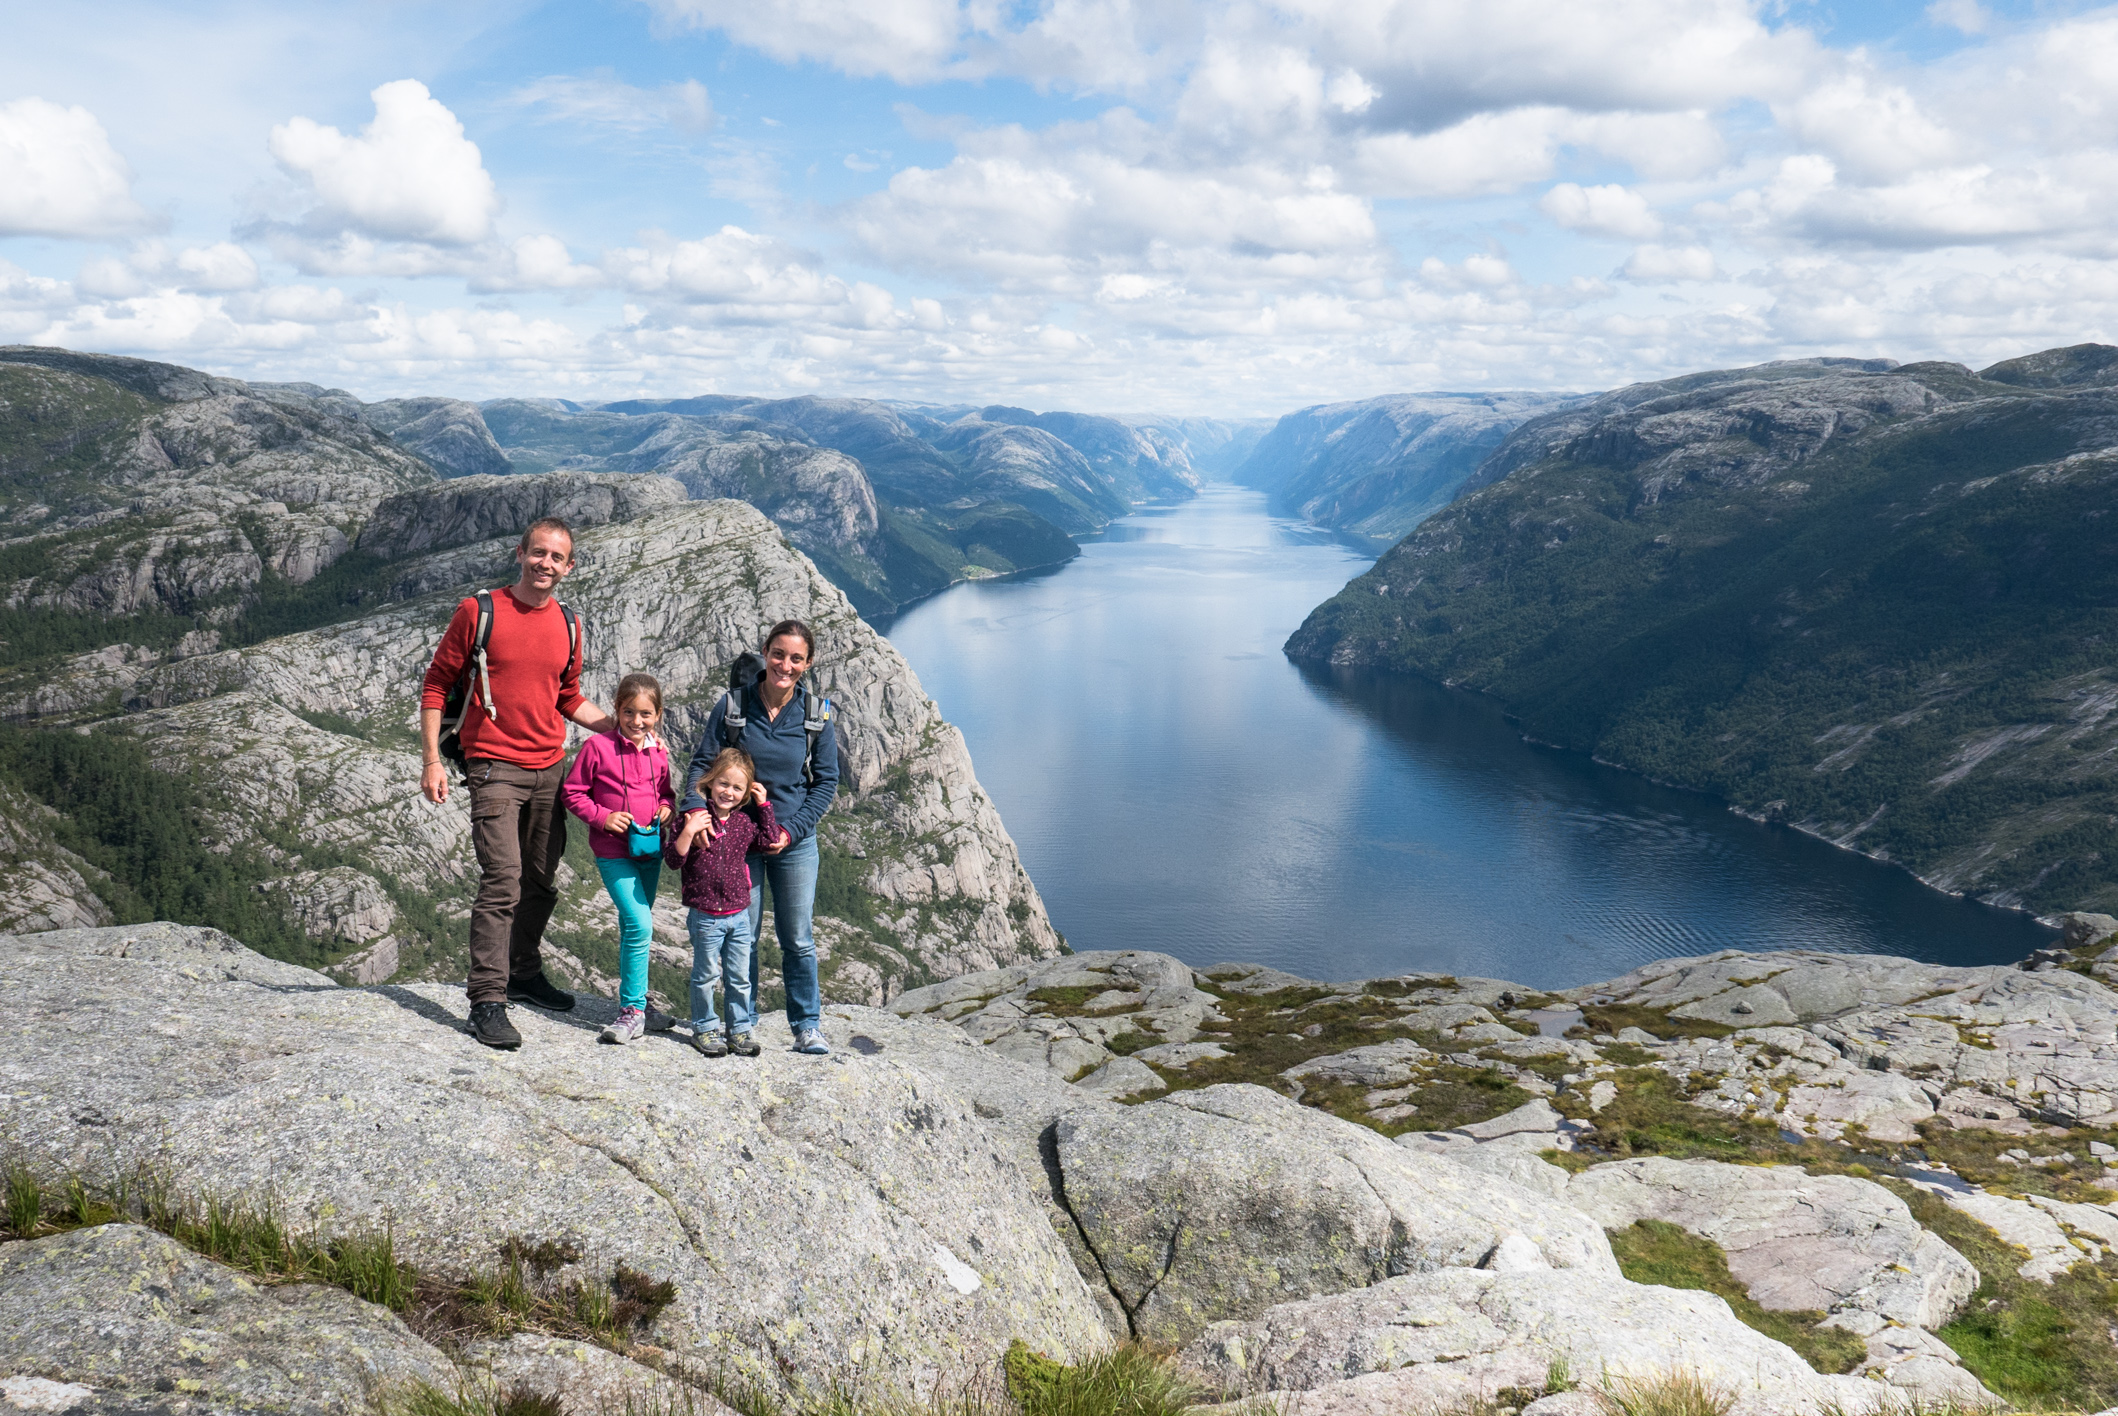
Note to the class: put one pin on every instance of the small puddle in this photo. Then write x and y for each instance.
(866, 1046)
(1554, 1022)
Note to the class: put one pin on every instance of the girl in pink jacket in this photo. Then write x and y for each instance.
(620, 786)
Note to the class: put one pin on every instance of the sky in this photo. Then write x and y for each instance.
(1226, 210)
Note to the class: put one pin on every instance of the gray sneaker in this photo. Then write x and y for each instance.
(630, 1024)
(709, 1043)
(743, 1045)
(811, 1041)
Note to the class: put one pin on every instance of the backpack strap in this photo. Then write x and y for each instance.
(816, 720)
(479, 639)
(576, 648)
(732, 720)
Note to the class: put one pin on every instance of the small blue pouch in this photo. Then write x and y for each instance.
(645, 839)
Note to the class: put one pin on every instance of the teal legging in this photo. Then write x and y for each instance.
(631, 881)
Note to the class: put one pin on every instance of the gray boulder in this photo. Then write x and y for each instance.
(146, 1324)
(1796, 1241)
(1221, 1202)
(923, 1246)
(1430, 1341)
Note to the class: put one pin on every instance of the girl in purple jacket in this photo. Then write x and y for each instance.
(620, 786)
(711, 851)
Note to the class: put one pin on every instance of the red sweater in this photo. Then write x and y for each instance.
(536, 681)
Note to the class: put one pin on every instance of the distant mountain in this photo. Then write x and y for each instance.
(1376, 467)
(956, 493)
(1215, 447)
(1875, 601)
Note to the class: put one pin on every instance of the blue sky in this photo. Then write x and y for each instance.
(1117, 205)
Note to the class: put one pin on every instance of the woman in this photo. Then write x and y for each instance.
(799, 770)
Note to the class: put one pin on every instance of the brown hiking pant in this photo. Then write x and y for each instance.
(519, 831)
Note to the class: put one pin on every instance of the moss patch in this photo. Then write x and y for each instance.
(1614, 1018)
(1654, 1252)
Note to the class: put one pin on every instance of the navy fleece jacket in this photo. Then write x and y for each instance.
(778, 748)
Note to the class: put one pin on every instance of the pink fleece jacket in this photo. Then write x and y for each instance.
(610, 774)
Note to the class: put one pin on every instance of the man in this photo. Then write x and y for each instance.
(514, 747)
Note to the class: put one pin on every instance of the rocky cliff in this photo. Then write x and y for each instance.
(1375, 468)
(1393, 1194)
(299, 753)
(1853, 596)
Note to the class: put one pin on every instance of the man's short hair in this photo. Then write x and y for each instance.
(549, 523)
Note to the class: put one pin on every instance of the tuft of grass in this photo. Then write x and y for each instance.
(1072, 1000)
(1678, 1393)
(1128, 1380)
(1653, 1251)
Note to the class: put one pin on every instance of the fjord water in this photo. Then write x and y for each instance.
(1174, 783)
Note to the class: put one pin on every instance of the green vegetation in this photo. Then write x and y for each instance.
(1654, 1252)
(150, 834)
(1614, 1018)
(1821, 655)
(1128, 1380)
(517, 1293)
(2044, 1346)
(1680, 1393)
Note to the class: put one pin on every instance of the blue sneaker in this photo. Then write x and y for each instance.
(811, 1041)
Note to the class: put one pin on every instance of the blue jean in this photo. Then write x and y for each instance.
(631, 881)
(792, 875)
(722, 956)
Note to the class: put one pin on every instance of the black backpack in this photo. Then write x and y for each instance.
(817, 716)
(474, 681)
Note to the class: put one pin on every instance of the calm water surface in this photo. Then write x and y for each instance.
(1174, 783)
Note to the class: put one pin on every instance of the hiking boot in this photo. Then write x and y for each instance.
(709, 1044)
(490, 1026)
(811, 1041)
(743, 1044)
(659, 1021)
(630, 1024)
(539, 990)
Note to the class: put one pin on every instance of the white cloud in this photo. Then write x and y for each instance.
(59, 175)
(409, 175)
(534, 263)
(1968, 16)
(1609, 210)
(1653, 264)
(603, 100)
(221, 266)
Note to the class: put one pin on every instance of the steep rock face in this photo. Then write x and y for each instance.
(931, 879)
(48, 886)
(1842, 594)
(1378, 466)
(1034, 468)
(471, 509)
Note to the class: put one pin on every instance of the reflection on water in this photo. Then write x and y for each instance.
(1175, 784)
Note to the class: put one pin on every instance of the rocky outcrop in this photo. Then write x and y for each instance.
(960, 1195)
(1378, 466)
(919, 1242)
(1835, 595)
(48, 886)
(1455, 1336)
(1220, 1203)
(327, 716)
(132, 1321)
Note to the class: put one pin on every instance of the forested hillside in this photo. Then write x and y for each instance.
(1874, 601)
